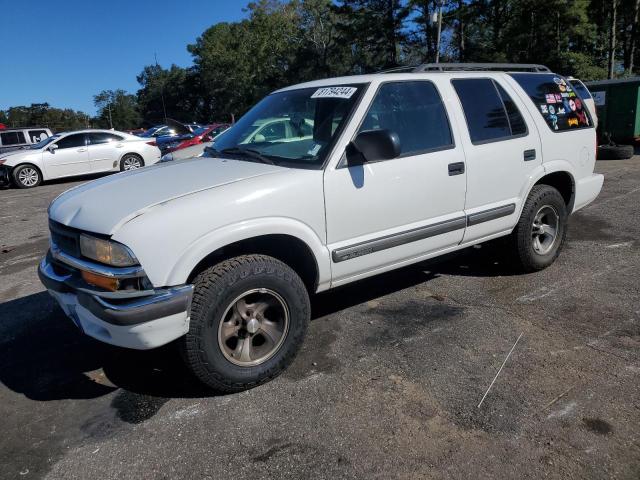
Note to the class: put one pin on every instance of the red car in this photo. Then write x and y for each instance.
(201, 135)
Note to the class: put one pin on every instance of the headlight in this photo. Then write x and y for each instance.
(106, 251)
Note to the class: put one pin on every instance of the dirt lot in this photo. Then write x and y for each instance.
(387, 385)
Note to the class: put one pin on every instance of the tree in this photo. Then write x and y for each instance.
(43, 115)
(117, 109)
(238, 63)
(374, 29)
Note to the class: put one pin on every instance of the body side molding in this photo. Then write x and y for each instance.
(420, 233)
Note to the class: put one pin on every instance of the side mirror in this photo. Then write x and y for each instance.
(372, 145)
(53, 147)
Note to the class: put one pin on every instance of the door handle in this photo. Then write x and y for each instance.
(456, 168)
(119, 145)
(81, 150)
(529, 155)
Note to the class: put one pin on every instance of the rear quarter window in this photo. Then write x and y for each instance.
(556, 100)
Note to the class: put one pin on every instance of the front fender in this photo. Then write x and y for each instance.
(220, 237)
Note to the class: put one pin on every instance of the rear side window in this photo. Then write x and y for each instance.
(37, 135)
(414, 111)
(12, 138)
(490, 112)
(555, 99)
(101, 137)
(579, 87)
(71, 141)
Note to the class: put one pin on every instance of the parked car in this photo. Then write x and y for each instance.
(201, 135)
(282, 129)
(222, 252)
(17, 138)
(193, 151)
(76, 153)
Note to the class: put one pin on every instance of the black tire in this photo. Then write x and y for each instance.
(26, 176)
(130, 157)
(521, 240)
(215, 290)
(615, 152)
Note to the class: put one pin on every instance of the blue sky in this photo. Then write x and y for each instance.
(65, 52)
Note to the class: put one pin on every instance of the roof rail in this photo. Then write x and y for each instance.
(509, 67)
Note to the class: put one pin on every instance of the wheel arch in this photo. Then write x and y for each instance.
(130, 153)
(557, 174)
(562, 181)
(29, 164)
(284, 247)
(286, 239)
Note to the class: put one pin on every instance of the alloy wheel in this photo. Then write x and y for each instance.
(131, 163)
(544, 231)
(28, 176)
(253, 327)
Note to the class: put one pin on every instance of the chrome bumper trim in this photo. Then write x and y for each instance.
(92, 267)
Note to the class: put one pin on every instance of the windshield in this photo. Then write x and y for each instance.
(295, 128)
(150, 132)
(200, 131)
(44, 143)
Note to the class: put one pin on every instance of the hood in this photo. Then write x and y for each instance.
(102, 206)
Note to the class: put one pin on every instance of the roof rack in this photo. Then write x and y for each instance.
(448, 67)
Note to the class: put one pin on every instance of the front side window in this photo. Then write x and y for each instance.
(98, 138)
(71, 141)
(415, 112)
(12, 138)
(295, 128)
(555, 99)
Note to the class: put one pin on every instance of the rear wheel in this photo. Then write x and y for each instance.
(26, 176)
(541, 231)
(249, 316)
(131, 161)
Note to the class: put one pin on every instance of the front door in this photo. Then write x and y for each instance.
(70, 158)
(382, 214)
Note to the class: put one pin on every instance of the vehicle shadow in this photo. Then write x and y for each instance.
(45, 357)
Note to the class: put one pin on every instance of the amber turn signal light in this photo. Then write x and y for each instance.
(107, 283)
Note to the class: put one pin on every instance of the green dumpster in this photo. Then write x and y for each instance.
(618, 106)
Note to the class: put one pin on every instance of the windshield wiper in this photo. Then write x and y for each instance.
(254, 154)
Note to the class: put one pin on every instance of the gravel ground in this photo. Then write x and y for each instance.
(386, 386)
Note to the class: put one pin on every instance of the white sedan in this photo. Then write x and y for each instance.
(76, 153)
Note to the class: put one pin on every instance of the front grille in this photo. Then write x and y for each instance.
(67, 239)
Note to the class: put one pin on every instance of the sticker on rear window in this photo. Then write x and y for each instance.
(334, 92)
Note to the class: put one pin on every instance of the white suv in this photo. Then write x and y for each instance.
(222, 252)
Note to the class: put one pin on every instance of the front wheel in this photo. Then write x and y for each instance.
(131, 162)
(26, 176)
(541, 230)
(249, 316)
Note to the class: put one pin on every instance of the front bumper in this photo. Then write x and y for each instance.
(140, 320)
(5, 179)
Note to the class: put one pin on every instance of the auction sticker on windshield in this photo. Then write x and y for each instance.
(334, 92)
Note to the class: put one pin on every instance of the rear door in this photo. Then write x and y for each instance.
(502, 149)
(105, 150)
(70, 158)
